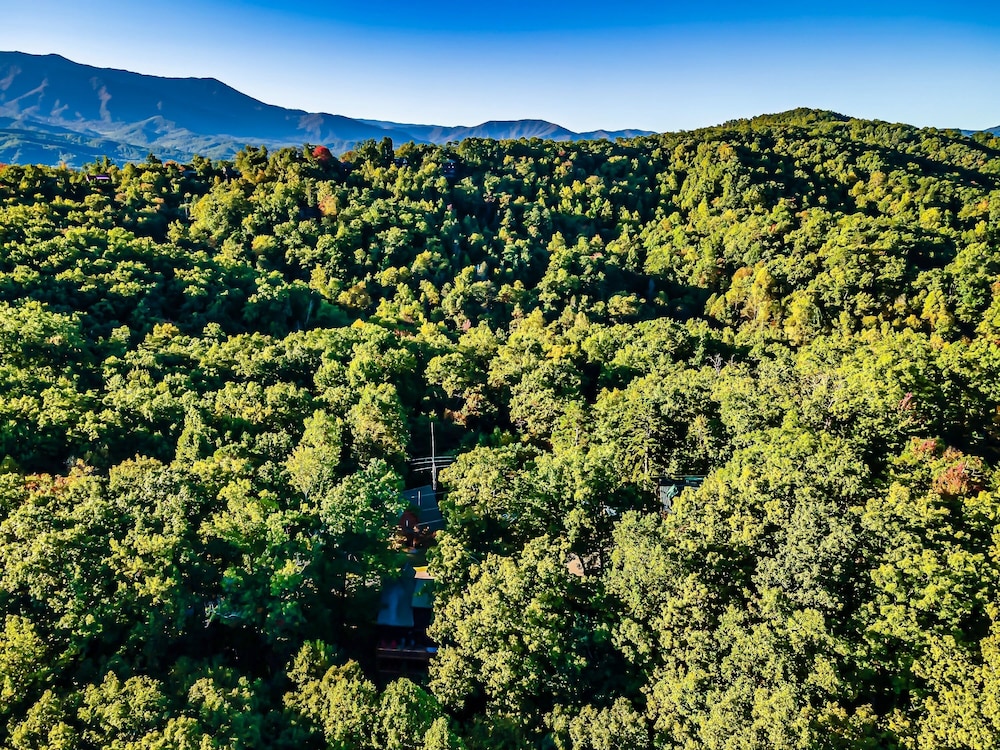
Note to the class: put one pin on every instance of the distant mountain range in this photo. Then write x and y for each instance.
(994, 131)
(54, 110)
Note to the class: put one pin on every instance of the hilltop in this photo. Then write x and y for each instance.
(53, 110)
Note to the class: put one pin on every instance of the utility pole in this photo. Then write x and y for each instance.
(434, 471)
(433, 462)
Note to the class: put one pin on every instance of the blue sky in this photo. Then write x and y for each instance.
(585, 65)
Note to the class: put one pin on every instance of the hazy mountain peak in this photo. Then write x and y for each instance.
(137, 113)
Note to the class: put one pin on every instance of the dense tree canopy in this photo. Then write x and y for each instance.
(214, 378)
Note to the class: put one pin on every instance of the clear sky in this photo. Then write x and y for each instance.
(585, 65)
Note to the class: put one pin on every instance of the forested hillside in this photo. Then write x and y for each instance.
(215, 376)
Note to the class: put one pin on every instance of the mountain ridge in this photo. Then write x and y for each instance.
(82, 108)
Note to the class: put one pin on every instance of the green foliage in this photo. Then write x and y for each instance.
(215, 380)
